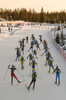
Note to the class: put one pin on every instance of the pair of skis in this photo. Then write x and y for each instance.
(20, 82)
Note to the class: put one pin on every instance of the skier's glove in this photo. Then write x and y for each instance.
(8, 66)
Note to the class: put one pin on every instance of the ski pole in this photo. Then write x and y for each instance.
(30, 70)
(37, 69)
(20, 73)
(39, 77)
(5, 74)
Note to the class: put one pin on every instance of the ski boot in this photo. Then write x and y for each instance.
(55, 82)
(18, 81)
(58, 83)
(49, 71)
(22, 67)
(28, 88)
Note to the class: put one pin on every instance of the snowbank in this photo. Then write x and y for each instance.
(56, 45)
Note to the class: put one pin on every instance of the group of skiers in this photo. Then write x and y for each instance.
(49, 62)
(32, 55)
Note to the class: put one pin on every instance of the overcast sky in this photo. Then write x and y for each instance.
(48, 5)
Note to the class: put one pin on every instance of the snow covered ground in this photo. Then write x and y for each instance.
(45, 88)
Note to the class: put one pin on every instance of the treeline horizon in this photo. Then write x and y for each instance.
(33, 16)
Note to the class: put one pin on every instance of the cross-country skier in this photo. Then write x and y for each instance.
(57, 71)
(33, 64)
(33, 80)
(26, 39)
(31, 46)
(23, 41)
(48, 55)
(32, 37)
(22, 49)
(9, 28)
(37, 45)
(30, 58)
(45, 45)
(40, 38)
(46, 50)
(35, 41)
(20, 44)
(35, 53)
(18, 53)
(13, 68)
(22, 60)
(50, 63)
(23, 45)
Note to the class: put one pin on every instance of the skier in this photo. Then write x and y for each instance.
(30, 58)
(23, 45)
(9, 29)
(57, 71)
(48, 55)
(37, 45)
(46, 49)
(20, 44)
(22, 49)
(50, 63)
(44, 43)
(26, 39)
(35, 41)
(33, 80)
(23, 41)
(40, 38)
(22, 62)
(35, 53)
(32, 37)
(18, 53)
(31, 47)
(13, 68)
(33, 64)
